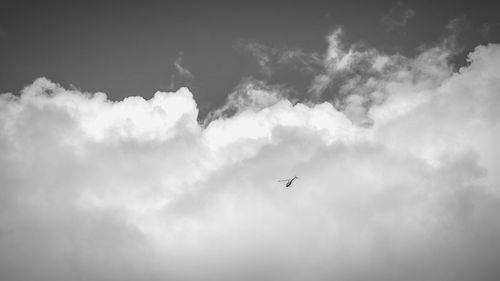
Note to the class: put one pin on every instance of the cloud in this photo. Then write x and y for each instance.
(353, 77)
(262, 54)
(271, 61)
(397, 17)
(486, 29)
(137, 189)
(183, 77)
(249, 94)
(3, 34)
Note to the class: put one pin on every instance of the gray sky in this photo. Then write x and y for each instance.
(146, 142)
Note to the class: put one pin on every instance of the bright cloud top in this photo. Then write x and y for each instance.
(138, 189)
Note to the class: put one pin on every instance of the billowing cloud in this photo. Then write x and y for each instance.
(138, 190)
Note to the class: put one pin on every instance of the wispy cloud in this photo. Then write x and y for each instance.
(353, 77)
(397, 17)
(183, 76)
(272, 60)
(3, 33)
(262, 54)
(249, 94)
(486, 28)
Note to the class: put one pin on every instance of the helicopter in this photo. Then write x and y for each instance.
(289, 181)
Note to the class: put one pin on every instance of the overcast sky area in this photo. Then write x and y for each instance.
(144, 141)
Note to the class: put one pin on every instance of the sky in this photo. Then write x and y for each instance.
(145, 141)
